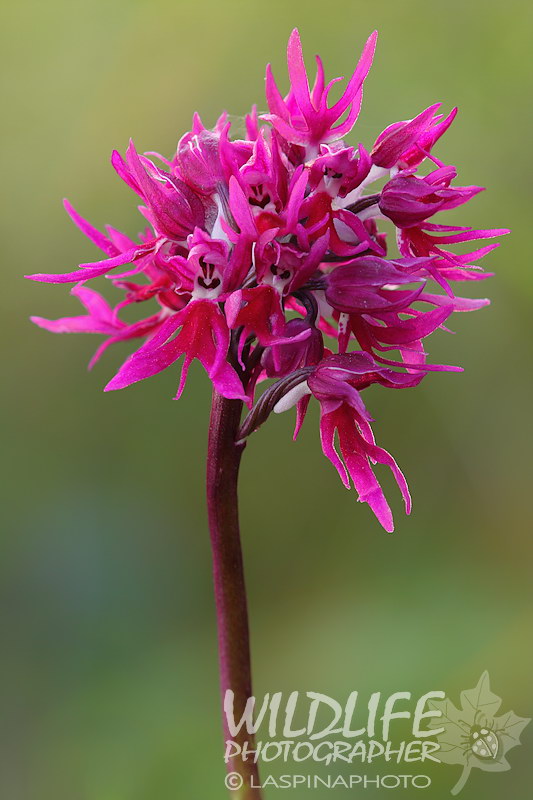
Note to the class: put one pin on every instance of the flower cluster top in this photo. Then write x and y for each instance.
(263, 259)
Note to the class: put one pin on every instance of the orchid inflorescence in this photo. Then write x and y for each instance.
(265, 260)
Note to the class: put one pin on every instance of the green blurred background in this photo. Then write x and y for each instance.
(108, 646)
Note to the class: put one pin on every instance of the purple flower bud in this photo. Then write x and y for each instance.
(198, 161)
(408, 200)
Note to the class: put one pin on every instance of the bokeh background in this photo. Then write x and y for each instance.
(108, 647)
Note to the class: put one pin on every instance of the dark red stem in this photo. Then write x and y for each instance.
(223, 459)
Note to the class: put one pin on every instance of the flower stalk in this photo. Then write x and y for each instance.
(223, 460)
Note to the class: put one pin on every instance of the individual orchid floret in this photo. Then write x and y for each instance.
(430, 239)
(119, 249)
(203, 273)
(172, 208)
(366, 284)
(100, 318)
(359, 451)
(407, 144)
(339, 169)
(409, 200)
(337, 383)
(304, 117)
(203, 334)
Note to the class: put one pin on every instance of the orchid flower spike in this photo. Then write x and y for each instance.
(262, 257)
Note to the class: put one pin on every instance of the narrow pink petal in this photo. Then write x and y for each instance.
(240, 208)
(410, 330)
(297, 193)
(96, 305)
(367, 486)
(356, 81)
(275, 100)
(467, 236)
(346, 126)
(327, 438)
(92, 233)
(88, 271)
(124, 172)
(301, 411)
(298, 74)
(381, 456)
(318, 87)
(82, 324)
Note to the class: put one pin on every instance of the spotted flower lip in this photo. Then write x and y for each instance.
(262, 257)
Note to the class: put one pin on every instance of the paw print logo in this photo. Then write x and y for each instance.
(474, 735)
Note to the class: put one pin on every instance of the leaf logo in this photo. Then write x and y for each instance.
(474, 736)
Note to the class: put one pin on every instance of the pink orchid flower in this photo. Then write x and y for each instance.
(263, 258)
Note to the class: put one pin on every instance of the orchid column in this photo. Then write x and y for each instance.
(263, 259)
